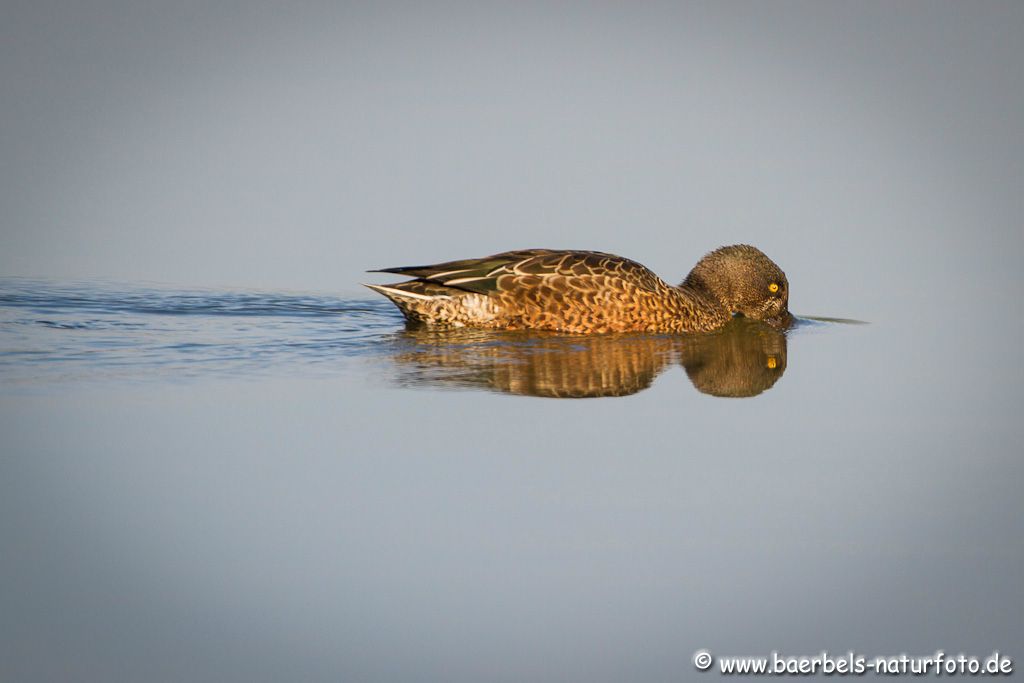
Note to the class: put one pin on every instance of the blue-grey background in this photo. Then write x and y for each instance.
(331, 528)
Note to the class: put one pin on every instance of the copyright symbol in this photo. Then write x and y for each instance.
(702, 659)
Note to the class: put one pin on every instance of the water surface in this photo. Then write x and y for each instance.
(225, 485)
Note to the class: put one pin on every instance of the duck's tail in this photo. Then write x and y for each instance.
(419, 301)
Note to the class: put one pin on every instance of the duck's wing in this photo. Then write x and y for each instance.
(513, 269)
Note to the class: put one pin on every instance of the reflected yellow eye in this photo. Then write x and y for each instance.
(772, 363)
(773, 287)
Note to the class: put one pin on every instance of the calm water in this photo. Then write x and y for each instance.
(217, 485)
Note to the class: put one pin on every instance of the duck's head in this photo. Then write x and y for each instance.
(745, 282)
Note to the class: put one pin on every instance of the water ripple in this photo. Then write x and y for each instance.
(60, 330)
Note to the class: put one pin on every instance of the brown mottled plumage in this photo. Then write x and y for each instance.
(588, 291)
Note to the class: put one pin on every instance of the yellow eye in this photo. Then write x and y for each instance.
(773, 287)
(772, 363)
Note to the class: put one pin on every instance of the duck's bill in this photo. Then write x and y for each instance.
(782, 321)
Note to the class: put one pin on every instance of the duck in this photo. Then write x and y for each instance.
(590, 292)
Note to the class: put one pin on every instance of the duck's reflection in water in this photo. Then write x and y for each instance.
(744, 358)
